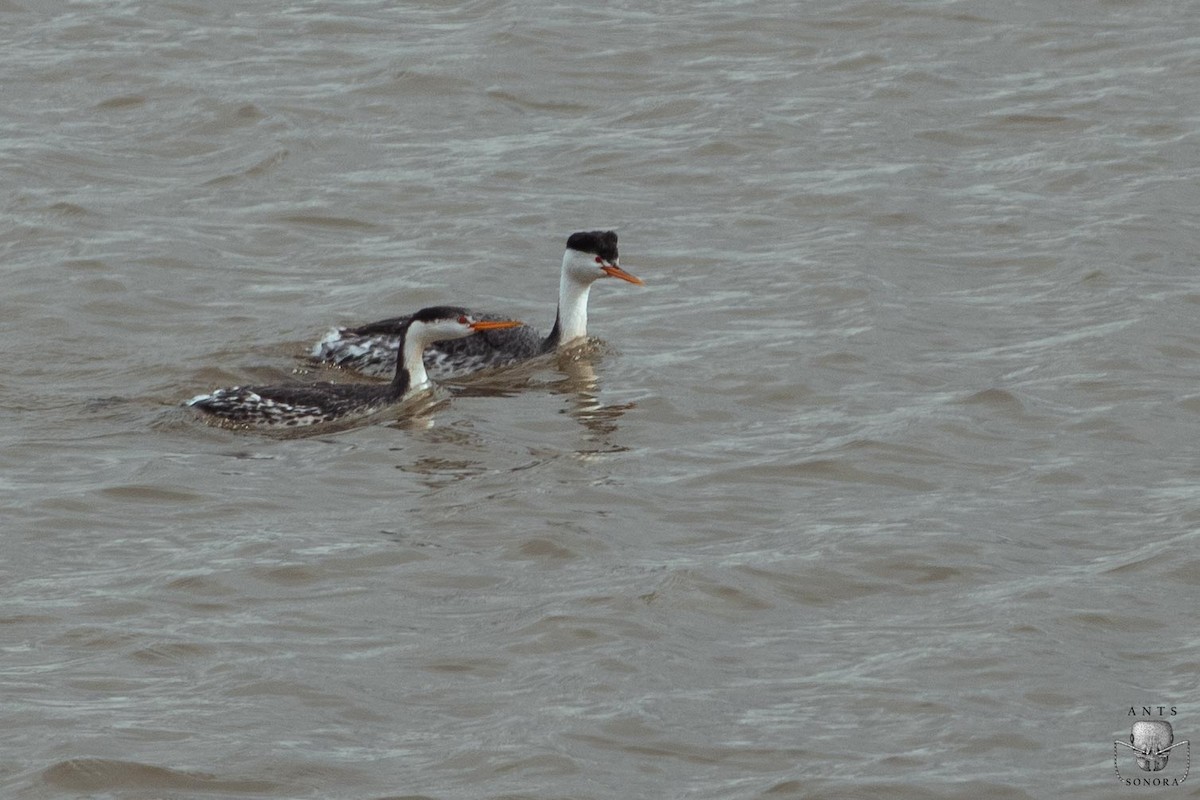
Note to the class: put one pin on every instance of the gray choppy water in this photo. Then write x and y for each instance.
(882, 485)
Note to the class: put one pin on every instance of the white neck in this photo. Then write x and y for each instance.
(414, 362)
(572, 304)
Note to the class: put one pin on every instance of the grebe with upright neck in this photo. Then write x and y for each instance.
(296, 405)
(371, 349)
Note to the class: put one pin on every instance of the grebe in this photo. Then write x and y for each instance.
(299, 404)
(371, 349)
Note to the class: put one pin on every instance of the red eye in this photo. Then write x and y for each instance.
(462, 320)
(599, 260)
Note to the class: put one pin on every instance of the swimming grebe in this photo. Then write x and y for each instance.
(295, 405)
(371, 349)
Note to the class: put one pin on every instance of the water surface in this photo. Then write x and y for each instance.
(882, 486)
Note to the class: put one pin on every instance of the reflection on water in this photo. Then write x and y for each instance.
(570, 373)
(438, 472)
(581, 389)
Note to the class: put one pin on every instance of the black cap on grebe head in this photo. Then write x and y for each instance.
(600, 243)
(439, 323)
(435, 313)
(590, 255)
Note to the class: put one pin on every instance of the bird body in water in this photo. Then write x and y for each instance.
(371, 349)
(300, 404)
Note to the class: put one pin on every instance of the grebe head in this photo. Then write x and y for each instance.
(439, 323)
(429, 325)
(592, 255)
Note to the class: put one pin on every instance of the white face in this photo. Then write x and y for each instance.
(586, 267)
(442, 329)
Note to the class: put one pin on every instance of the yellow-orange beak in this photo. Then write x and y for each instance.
(495, 324)
(617, 272)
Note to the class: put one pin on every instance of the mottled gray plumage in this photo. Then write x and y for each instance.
(371, 349)
(294, 406)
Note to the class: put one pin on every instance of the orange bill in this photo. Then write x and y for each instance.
(614, 271)
(495, 324)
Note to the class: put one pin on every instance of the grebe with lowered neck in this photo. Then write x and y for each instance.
(371, 349)
(300, 404)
